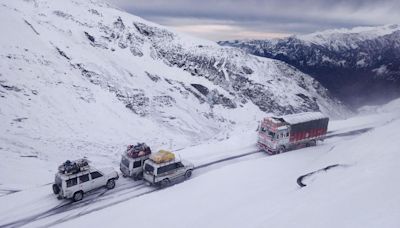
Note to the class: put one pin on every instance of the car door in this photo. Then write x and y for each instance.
(84, 182)
(179, 169)
(137, 166)
(97, 179)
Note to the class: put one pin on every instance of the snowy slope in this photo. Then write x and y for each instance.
(255, 190)
(361, 192)
(81, 78)
(361, 65)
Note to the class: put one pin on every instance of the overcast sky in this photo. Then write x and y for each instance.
(258, 19)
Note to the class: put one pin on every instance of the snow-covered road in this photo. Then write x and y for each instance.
(37, 207)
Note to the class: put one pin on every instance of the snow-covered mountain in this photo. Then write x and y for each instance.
(84, 78)
(359, 65)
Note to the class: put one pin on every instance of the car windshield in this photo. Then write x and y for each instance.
(148, 168)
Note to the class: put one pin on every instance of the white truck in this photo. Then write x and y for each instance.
(132, 161)
(74, 183)
(162, 173)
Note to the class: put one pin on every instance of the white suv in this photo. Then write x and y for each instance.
(132, 167)
(74, 186)
(164, 174)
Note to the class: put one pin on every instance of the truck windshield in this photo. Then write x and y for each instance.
(268, 132)
(148, 168)
(271, 134)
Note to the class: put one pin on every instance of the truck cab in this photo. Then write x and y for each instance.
(273, 135)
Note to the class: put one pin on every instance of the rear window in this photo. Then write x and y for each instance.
(149, 168)
(72, 182)
(137, 164)
(125, 162)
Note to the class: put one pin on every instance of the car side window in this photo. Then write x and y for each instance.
(95, 175)
(179, 165)
(137, 164)
(171, 167)
(166, 168)
(84, 178)
(72, 182)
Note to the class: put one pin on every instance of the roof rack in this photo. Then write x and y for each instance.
(74, 167)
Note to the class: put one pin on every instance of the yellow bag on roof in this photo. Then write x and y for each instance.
(162, 156)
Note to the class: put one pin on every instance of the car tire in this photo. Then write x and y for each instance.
(78, 196)
(165, 183)
(56, 189)
(188, 174)
(110, 184)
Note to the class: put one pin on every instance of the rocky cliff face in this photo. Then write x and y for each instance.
(86, 71)
(360, 66)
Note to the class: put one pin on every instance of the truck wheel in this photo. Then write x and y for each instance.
(110, 184)
(56, 189)
(281, 150)
(188, 174)
(78, 196)
(165, 183)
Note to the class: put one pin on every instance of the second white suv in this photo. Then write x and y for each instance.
(164, 174)
(74, 186)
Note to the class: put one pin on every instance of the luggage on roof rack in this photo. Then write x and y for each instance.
(138, 150)
(162, 156)
(73, 167)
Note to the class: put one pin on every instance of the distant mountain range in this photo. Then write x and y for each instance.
(360, 65)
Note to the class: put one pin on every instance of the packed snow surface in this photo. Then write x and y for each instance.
(251, 191)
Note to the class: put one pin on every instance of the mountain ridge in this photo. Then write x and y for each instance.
(355, 64)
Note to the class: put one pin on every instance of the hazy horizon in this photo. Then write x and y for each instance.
(258, 19)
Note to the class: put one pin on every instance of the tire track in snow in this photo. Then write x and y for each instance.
(64, 207)
(60, 209)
